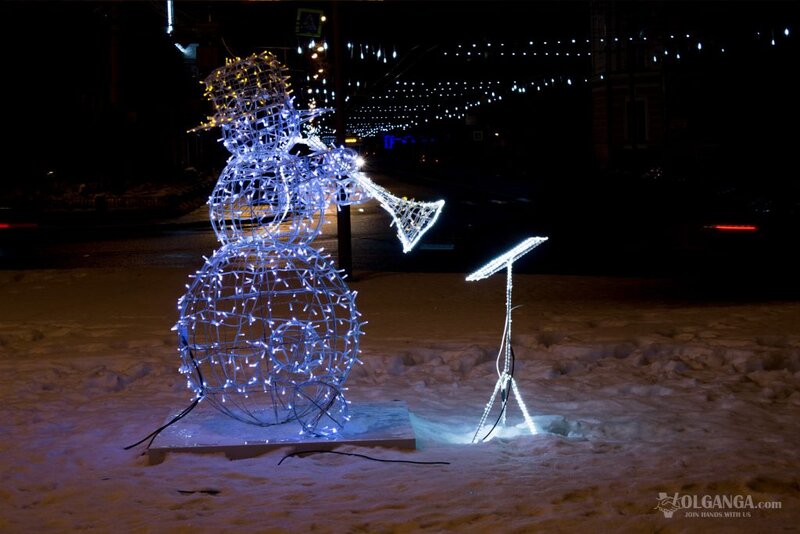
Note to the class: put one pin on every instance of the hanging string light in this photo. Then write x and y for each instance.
(569, 54)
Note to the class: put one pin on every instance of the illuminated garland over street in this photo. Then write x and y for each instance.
(568, 59)
(413, 103)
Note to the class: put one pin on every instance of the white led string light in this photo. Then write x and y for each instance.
(261, 326)
(505, 385)
(370, 120)
(268, 330)
(413, 103)
(411, 219)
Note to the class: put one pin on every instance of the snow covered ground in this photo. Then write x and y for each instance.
(638, 393)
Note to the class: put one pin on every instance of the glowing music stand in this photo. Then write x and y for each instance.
(506, 376)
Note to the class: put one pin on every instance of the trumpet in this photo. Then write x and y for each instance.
(411, 218)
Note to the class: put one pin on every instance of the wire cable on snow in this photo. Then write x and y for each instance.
(298, 453)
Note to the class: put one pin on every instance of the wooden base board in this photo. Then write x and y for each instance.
(205, 430)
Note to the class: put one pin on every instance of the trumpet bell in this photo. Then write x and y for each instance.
(411, 218)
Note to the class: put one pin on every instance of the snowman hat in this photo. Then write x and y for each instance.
(249, 89)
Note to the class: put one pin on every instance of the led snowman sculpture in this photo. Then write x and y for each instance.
(268, 329)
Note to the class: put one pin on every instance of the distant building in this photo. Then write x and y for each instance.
(628, 104)
(701, 86)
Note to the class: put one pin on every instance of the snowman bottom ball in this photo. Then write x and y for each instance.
(268, 334)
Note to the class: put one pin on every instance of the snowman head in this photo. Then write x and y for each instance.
(253, 105)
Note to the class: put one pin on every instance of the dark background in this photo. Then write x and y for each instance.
(99, 100)
(96, 91)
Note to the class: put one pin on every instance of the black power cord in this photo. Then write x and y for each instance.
(154, 434)
(505, 394)
(298, 453)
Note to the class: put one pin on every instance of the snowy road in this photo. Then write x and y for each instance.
(474, 226)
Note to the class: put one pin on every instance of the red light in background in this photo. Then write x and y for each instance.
(8, 226)
(735, 227)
